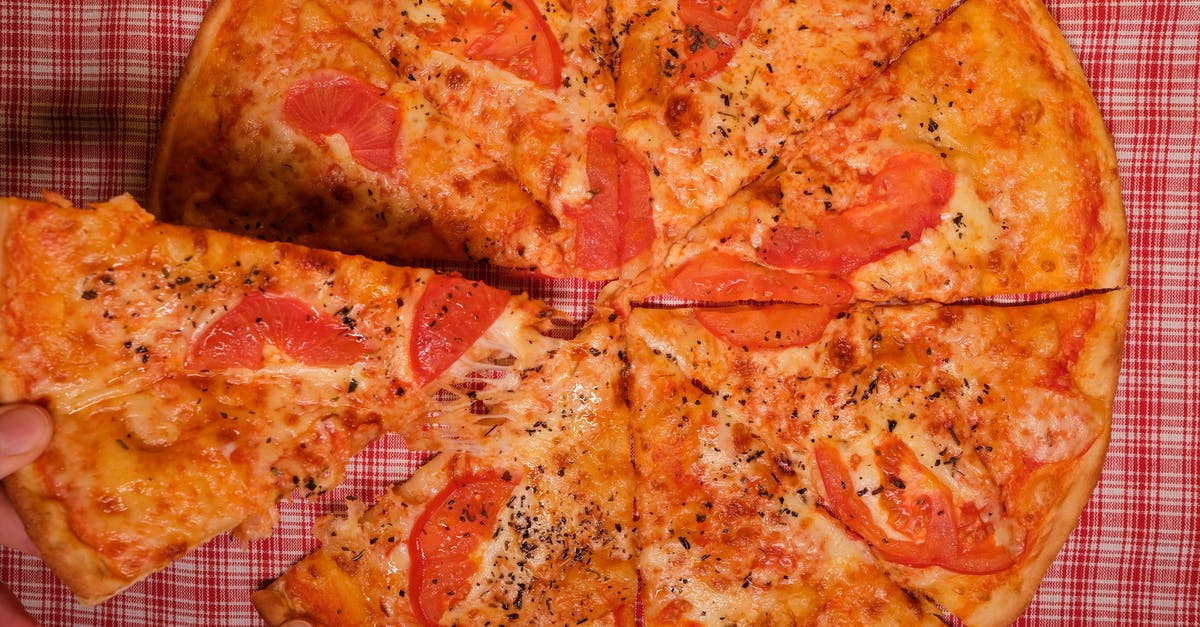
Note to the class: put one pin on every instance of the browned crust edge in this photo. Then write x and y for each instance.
(1112, 264)
(79, 566)
(203, 45)
(1096, 372)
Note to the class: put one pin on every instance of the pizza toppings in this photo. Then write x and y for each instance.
(452, 314)
(513, 35)
(714, 30)
(445, 537)
(237, 338)
(777, 326)
(617, 223)
(329, 102)
(918, 505)
(721, 278)
(906, 197)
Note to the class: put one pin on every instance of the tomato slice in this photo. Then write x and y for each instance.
(512, 34)
(237, 338)
(714, 29)
(721, 278)
(633, 201)
(906, 198)
(329, 102)
(452, 313)
(919, 506)
(444, 539)
(775, 326)
(617, 223)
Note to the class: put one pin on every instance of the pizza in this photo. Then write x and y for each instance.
(348, 134)
(196, 377)
(871, 463)
(855, 363)
(319, 144)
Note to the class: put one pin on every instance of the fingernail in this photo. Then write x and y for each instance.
(22, 429)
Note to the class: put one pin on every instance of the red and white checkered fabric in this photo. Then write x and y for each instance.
(83, 87)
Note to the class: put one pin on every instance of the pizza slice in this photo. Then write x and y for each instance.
(287, 126)
(708, 92)
(864, 463)
(529, 83)
(978, 165)
(196, 378)
(532, 527)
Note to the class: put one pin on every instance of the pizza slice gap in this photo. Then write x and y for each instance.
(287, 126)
(936, 455)
(977, 166)
(196, 378)
(708, 92)
(532, 527)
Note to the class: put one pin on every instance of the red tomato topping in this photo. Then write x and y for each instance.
(513, 34)
(633, 202)
(236, 339)
(445, 536)
(919, 506)
(776, 326)
(715, 29)
(330, 102)
(722, 278)
(617, 223)
(906, 198)
(452, 314)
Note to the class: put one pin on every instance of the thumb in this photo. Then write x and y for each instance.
(24, 433)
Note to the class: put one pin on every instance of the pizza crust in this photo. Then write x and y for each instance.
(164, 157)
(81, 568)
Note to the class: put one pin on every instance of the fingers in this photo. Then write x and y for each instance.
(12, 530)
(24, 432)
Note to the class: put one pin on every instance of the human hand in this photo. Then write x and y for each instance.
(24, 433)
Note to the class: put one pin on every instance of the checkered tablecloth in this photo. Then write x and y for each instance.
(83, 87)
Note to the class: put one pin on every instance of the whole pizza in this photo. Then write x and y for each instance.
(854, 363)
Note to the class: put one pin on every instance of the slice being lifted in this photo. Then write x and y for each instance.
(900, 462)
(195, 378)
(531, 527)
(973, 167)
